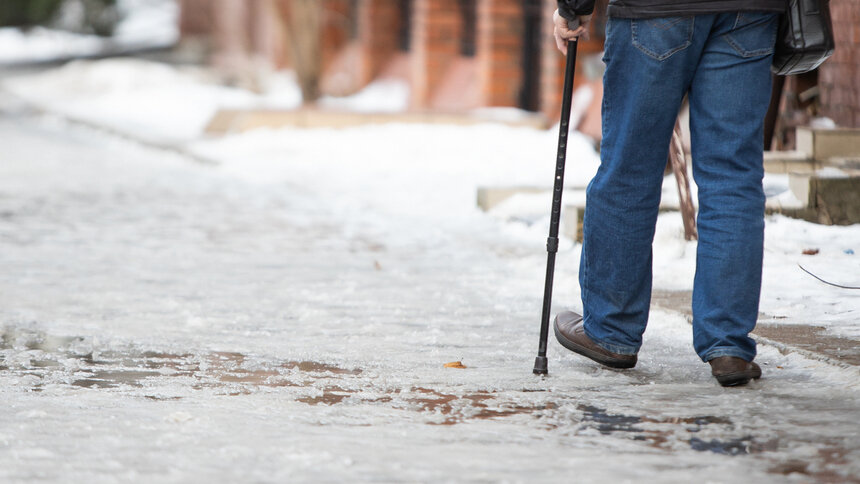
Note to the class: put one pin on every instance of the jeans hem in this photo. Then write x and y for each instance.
(621, 350)
(718, 352)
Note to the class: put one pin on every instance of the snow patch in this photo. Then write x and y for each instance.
(145, 24)
(381, 96)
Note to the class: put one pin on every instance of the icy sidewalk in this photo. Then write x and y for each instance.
(167, 107)
(286, 315)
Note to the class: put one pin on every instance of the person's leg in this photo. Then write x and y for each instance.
(729, 97)
(649, 65)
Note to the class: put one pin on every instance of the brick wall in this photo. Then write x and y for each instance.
(242, 35)
(379, 28)
(264, 35)
(195, 17)
(839, 76)
(361, 39)
(336, 28)
(232, 38)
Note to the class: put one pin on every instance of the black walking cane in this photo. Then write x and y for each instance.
(552, 242)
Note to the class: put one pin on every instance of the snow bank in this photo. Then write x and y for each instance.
(794, 297)
(146, 24)
(145, 99)
(382, 96)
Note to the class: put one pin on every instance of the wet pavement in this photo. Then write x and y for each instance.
(809, 339)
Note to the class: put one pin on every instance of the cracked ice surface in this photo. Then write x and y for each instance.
(285, 317)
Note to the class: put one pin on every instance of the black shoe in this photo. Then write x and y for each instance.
(731, 371)
(570, 333)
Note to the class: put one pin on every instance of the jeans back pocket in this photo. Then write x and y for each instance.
(754, 33)
(659, 38)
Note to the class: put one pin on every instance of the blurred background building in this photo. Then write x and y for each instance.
(454, 54)
(463, 54)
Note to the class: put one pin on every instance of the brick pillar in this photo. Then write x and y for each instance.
(264, 36)
(499, 51)
(839, 76)
(196, 17)
(435, 44)
(379, 25)
(232, 39)
(338, 19)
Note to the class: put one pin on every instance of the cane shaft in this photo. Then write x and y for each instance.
(555, 216)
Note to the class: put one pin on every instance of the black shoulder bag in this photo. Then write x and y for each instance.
(805, 38)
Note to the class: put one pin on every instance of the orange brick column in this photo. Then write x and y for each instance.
(500, 51)
(196, 17)
(379, 25)
(839, 76)
(336, 28)
(232, 38)
(435, 44)
(265, 38)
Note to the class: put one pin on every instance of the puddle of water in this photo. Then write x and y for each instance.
(331, 396)
(607, 423)
(161, 399)
(111, 379)
(435, 401)
(132, 367)
(459, 409)
(727, 447)
(327, 398)
(823, 470)
(237, 374)
(317, 367)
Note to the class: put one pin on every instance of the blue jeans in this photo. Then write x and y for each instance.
(723, 62)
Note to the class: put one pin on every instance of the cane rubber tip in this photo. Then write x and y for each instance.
(540, 366)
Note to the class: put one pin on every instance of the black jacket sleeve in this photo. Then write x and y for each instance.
(569, 9)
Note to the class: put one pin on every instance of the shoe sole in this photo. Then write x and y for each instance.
(590, 354)
(737, 379)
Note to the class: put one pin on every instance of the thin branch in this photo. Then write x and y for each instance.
(826, 282)
(678, 162)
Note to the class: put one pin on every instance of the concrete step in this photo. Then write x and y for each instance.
(228, 121)
(540, 198)
(824, 144)
(831, 195)
(789, 162)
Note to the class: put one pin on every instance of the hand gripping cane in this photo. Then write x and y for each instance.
(552, 242)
